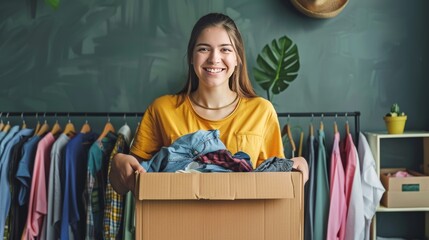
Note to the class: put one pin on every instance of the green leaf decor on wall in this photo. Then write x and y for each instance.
(277, 66)
(53, 3)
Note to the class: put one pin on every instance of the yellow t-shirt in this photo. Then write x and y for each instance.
(253, 128)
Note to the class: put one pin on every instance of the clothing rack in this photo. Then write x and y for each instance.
(355, 115)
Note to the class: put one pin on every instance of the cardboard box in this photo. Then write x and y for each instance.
(220, 206)
(405, 191)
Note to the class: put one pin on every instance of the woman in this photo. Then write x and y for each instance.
(218, 95)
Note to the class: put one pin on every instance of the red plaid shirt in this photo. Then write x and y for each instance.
(225, 159)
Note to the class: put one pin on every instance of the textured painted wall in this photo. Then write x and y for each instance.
(120, 55)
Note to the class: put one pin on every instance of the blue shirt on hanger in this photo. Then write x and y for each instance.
(75, 163)
(5, 193)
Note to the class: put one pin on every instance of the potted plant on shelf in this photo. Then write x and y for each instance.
(395, 120)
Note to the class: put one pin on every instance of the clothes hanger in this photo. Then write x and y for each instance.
(24, 125)
(86, 128)
(108, 127)
(69, 129)
(7, 126)
(56, 128)
(286, 131)
(347, 126)
(321, 123)
(311, 130)
(38, 125)
(335, 124)
(43, 129)
(138, 124)
(301, 140)
(1, 121)
(125, 120)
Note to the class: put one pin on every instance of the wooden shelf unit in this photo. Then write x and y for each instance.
(374, 141)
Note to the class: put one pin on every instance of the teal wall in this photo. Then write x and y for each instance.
(119, 55)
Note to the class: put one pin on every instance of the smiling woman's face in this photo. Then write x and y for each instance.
(214, 58)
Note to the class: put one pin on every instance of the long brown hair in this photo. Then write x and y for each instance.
(239, 81)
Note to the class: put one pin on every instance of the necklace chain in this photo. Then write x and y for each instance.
(209, 108)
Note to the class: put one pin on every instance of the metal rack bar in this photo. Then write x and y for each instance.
(355, 115)
(71, 114)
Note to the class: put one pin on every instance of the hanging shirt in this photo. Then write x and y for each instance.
(12, 131)
(355, 221)
(96, 177)
(321, 206)
(13, 222)
(129, 220)
(338, 206)
(5, 191)
(372, 189)
(23, 177)
(37, 205)
(75, 166)
(51, 225)
(25, 169)
(113, 211)
(129, 231)
(2, 135)
(309, 189)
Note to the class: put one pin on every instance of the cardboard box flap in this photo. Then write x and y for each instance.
(215, 186)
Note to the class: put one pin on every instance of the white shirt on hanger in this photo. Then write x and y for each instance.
(372, 189)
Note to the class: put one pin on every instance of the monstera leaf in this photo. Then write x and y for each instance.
(53, 3)
(278, 66)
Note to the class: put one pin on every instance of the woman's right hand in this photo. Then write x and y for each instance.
(122, 172)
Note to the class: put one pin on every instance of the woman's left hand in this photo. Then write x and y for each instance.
(300, 164)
